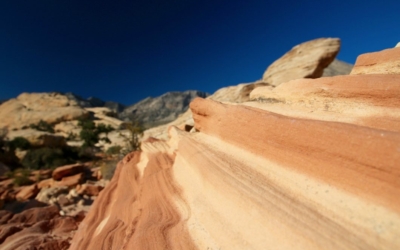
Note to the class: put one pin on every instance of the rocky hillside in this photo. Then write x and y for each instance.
(160, 110)
(309, 164)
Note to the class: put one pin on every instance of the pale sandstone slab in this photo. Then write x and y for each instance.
(306, 60)
(367, 100)
(29, 109)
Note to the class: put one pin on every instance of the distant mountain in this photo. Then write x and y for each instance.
(337, 67)
(95, 102)
(160, 110)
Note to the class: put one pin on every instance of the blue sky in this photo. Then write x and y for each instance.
(128, 50)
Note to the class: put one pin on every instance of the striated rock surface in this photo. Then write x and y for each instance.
(382, 62)
(306, 60)
(367, 100)
(36, 228)
(311, 164)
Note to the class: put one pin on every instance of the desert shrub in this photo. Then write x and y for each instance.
(19, 142)
(42, 126)
(135, 133)
(107, 169)
(45, 158)
(114, 150)
(7, 156)
(90, 132)
(72, 136)
(21, 177)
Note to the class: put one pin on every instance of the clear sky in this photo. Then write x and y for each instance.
(125, 51)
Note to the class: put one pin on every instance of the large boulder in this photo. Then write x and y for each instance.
(306, 60)
(30, 108)
(67, 170)
(238, 94)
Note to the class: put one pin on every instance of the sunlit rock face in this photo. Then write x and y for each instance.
(306, 60)
(383, 62)
(30, 108)
(311, 164)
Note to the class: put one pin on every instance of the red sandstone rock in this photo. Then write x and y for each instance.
(68, 170)
(71, 181)
(28, 192)
(88, 189)
(46, 183)
(37, 228)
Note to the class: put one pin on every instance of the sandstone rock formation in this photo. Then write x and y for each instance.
(306, 60)
(36, 228)
(383, 62)
(264, 174)
(29, 109)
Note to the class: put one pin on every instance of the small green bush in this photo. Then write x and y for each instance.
(45, 158)
(135, 133)
(21, 177)
(19, 142)
(90, 132)
(114, 150)
(42, 126)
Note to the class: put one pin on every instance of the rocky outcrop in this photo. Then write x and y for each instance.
(36, 228)
(29, 109)
(238, 94)
(264, 174)
(383, 62)
(160, 110)
(306, 60)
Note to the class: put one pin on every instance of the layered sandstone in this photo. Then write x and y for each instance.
(310, 164)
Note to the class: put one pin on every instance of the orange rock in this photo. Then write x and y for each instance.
(70, 181)
(46, 183)
(28, 192)
(67, 170)
(382, 62)
(89, 189)
(37, 228)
